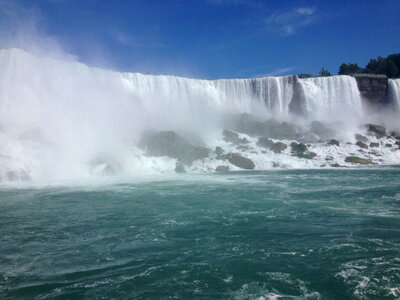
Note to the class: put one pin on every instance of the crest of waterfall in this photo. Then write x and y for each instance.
(334, 98)
(394, 92)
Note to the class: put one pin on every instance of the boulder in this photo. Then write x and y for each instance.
(307, 155)
(298, 148)
(240, 161)
(168, 143)
(374, 145)
(361, 138)
(222, 169)
(334, 142)
(179, 167)
(233, 137)
(336, 165)
(358, 160)
(376, 129)
(219, 151)
(278, 147)
(388, 145)
(362, 145)
(265, 142)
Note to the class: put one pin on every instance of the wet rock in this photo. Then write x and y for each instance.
(376, 129)
(222, 169)
(358, 160)
(233, 137)
(180, 168)
(265, 142)
(361, 138)
(388, 145)
(278, 147)
(307, 155)
(240, 161)
(275, 165)
(298, 147)
(168, 143)
(362, 145)
(219, 151)
(395, 134)
(336, 165)
(374, 145)
(328, 158)
(334, 142)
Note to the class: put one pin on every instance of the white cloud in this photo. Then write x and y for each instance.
(289, 22)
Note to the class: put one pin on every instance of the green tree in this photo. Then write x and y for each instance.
(390, 69)
(305, 75)
(348, 69)
(324, 73)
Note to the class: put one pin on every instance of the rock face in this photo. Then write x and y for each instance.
(168, 143)
(373, 88)
(240, 161)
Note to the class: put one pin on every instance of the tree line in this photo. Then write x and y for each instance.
(389, 66)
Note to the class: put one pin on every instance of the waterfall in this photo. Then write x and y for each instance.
(63, 119)
(334, 98)
(394, 92)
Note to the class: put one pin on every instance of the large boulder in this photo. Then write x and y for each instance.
(277, 147)
(240, 161)
(362, 145)
(358, 160)
(222, 169)
(168, 143)
(233, 137)
(334, 142)
(361, 138)
(376, 129)
(374, 145)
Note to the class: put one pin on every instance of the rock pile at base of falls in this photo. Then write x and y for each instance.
(169, 143)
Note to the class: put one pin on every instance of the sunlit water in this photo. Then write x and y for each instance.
(311, 234)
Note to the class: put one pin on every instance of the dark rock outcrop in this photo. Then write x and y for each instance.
(374, 145)
(240, 161)
(168, 143)
(376, 129)
(334, 142)
(373, 88)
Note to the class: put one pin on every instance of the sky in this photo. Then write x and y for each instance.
(207, 39)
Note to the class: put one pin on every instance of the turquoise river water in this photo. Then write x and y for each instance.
(291, 234)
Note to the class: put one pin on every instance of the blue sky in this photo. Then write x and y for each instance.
(212, 38)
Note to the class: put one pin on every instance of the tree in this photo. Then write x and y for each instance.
(305, 75)
(348, 69)
(324, 73)
(390, 69)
